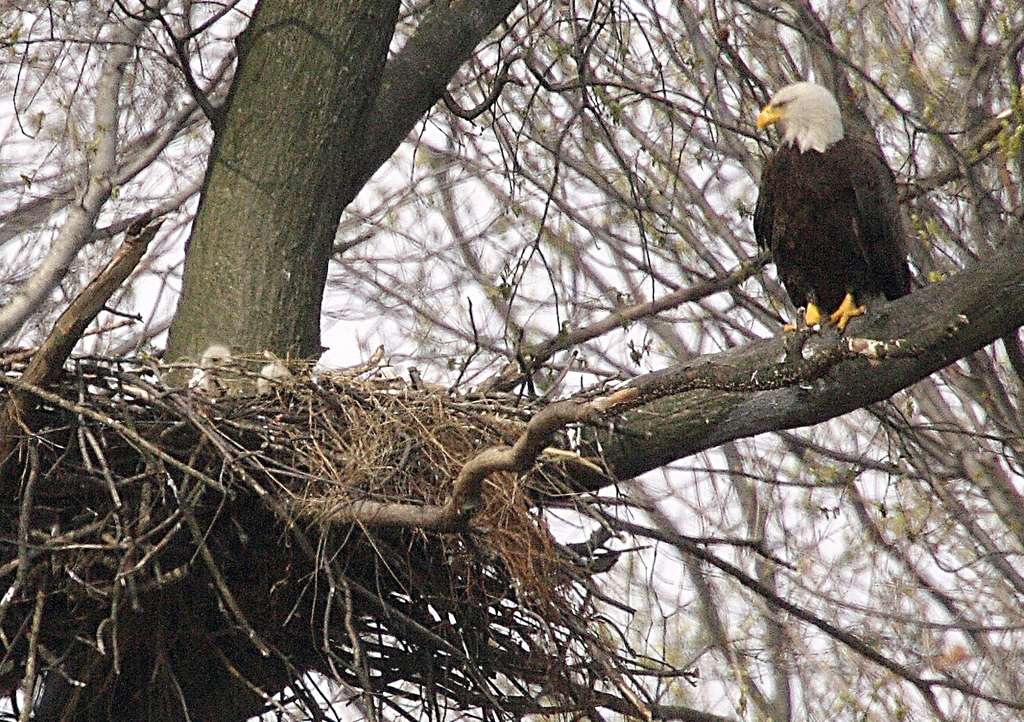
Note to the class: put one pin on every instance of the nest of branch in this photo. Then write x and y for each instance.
(153, 527)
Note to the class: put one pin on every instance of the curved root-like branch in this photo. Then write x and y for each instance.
(465, 496)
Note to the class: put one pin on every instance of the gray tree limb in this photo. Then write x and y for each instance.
(416, 77)
(942, 322)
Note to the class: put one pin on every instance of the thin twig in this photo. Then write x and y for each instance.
(28, 683)
(539, 354)
(129, 434)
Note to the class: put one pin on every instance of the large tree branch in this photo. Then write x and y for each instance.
(416, 77)
(941, 322)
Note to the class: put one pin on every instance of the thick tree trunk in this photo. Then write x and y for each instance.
(256, 263)
(311, 114)
(255, 270)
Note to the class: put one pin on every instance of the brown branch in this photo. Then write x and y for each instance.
(49, 359)
(54, 351)
(120, 427)
(467, 489)
(524, 452)
(415, 77)
(669, 713)
(222, 586)
(28, 683)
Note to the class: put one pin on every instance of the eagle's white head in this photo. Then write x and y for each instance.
(807, 115)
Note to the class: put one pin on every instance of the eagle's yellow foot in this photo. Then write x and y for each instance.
(812, 316)
(847, 309)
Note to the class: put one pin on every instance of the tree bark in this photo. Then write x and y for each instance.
(311, 83)
(256, 261)
(256, 265)
(941, 323)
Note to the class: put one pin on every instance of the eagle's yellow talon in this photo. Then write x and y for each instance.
(812, 317)
(847, 309)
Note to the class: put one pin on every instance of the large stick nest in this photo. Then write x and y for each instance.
(154, 524)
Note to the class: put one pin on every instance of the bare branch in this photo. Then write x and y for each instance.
(924, 685)
(81, 221)
(539, 354)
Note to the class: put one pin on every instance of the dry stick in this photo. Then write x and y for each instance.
(522, 455)
(268, 700)
(29, 682)
(358, 654)
(49, 359)
(127, 433)
(391, 613)
(22, 568)
(641, 708)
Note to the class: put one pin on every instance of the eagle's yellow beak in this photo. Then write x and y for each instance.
(769, 116)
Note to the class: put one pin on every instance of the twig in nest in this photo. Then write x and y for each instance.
(29, 682)
(24, 517)
(358, 655)
(119, 426)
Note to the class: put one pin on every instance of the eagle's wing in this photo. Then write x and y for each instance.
(764, 212)
(880, 227)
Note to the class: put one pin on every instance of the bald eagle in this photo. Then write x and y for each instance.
(827, 210)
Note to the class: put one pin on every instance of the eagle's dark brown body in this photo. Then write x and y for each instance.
(832, 224)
